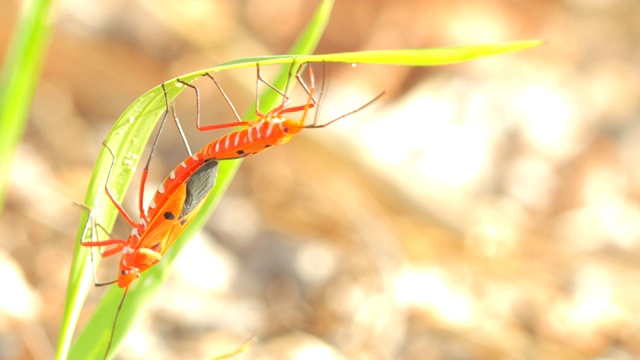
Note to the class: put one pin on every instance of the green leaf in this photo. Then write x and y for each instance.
(405, 57)
(19, 78)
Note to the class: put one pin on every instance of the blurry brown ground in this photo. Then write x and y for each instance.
(486, 210)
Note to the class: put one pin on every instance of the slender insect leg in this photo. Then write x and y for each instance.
(92, 221)
(238, 122)
(110, 194)
(97, 243)
(285, 99)
(325, 81)
(175, 114)
(312, 82)
(290, 74)
(145, 171)
(119, 243)
(95, 225)
(311, 101)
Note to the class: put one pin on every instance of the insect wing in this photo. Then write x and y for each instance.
(199, 185)
(179, 208)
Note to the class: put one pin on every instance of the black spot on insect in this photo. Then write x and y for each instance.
(286, 130)
(183, 221)
(240, 152)
(267, 146)
(169, 215)
(123, 272)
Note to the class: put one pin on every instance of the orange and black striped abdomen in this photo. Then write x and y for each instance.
(251, 140)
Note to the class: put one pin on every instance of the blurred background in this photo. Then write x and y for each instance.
(484, 210)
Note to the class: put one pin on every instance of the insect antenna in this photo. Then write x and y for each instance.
(321, 96)
(115, 322)
(314, 126)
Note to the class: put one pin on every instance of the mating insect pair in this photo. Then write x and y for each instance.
(181, 195)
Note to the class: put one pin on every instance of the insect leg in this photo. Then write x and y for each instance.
(175, 114)
(311, 101)
(238, 122)
(285, 99)
(110, 194)
(145, 171)
(95, 243)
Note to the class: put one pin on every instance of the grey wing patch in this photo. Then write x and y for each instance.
(199, 184)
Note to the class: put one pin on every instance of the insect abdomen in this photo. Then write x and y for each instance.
(246, 142)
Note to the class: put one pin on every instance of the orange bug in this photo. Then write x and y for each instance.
(180, 197)
(271, 129)
(176, 202)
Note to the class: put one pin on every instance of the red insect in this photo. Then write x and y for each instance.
(176, 202)
(271, 129)
(180, 197)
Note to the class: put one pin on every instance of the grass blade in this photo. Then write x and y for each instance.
(19, 78)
